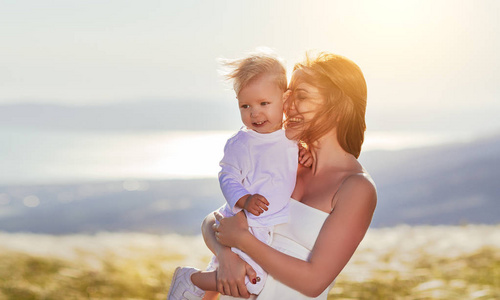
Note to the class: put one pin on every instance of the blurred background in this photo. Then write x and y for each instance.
(128, 92)
(113, 118)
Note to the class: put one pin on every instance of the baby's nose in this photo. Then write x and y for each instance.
(255, 112)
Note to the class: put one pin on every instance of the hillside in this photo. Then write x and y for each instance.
(420, 262)
(451, 185)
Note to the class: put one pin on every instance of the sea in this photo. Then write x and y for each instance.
(39, 156)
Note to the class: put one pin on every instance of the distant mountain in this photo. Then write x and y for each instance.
(174, 206)
(452, 184)
(146, 115)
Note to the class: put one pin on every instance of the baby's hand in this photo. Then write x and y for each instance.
(256, 204)
(305, 157)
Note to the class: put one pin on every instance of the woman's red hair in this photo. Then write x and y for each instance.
(343, 86)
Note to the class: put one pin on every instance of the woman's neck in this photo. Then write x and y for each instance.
(328, 154)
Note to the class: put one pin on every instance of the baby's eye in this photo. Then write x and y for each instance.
(245, 106)
(265, 103)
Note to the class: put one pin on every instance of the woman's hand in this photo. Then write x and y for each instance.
(232, 269)
(231, 275)
(232, 230)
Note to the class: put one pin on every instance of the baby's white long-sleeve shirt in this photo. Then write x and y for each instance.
(264, 164)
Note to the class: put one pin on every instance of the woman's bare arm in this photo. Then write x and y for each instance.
(232, 269)
(339, 237)
(209, 235)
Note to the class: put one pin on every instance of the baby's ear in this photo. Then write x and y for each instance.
(286, 94)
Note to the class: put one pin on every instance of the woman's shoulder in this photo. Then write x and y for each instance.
(358, 188)
(361, 178)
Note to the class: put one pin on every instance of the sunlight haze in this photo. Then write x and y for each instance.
(420, 58)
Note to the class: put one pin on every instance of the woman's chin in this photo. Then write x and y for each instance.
(292, 134)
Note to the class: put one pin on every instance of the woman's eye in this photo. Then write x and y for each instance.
(300, 97)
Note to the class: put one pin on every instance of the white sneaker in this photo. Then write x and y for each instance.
(182, 287)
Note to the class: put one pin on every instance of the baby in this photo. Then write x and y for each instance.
(258, 170)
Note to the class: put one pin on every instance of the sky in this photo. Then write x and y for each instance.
(435, 63)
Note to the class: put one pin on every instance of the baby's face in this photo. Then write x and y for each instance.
(261, 105)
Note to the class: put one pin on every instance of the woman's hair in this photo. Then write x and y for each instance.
(263, 61)
(343, 85)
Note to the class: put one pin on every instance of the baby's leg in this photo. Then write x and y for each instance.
(205, 280)
(209, 295)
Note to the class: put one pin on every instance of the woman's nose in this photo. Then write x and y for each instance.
(289, 104)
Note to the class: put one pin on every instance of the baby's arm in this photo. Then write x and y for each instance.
(234, 167)
(255, 204)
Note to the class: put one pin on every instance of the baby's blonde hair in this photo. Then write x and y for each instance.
(242, 71)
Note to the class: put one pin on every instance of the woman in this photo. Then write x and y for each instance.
(333, 201)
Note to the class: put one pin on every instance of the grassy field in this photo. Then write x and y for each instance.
(392, 263)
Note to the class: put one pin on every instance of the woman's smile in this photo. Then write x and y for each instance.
(295, 120)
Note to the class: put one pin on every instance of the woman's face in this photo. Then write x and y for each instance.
(302, 104)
